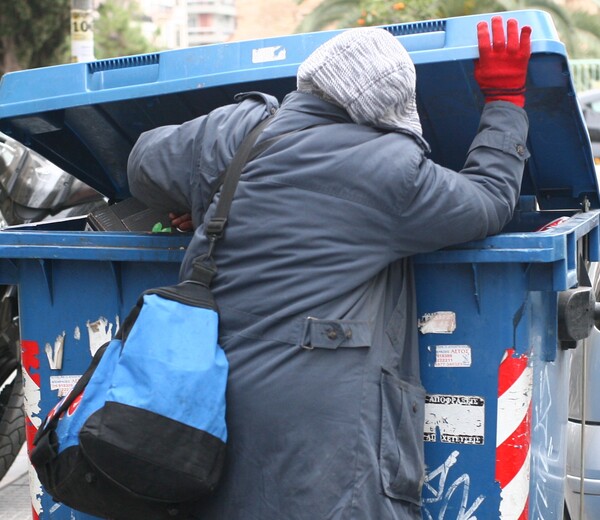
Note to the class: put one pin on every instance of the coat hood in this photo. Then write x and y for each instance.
(369, 73)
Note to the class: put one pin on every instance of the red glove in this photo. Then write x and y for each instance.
(501, 68)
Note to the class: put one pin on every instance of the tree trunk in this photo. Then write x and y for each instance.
(10, 62)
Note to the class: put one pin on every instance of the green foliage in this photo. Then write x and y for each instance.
(579, 30)
(381, 12)
(36, 33)
(114, 32)
(587, 37)
(33, 33)
(341, 13)
(467, 7)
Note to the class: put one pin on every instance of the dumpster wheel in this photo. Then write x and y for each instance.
(12, 413)
(12, 420)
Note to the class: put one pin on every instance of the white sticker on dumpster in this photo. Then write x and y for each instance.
(99, 332)
(442, 322)
(63, 384)
(267, 54)
(452, 356)
(455, 419)
(55, 354)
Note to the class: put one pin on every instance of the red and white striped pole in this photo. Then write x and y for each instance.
(513, 435)
(31, 388)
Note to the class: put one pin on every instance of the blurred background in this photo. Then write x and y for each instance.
(37, 33)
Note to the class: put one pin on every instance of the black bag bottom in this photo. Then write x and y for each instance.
(74, 482)
(135, 447)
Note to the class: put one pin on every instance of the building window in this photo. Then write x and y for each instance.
(205, 20)
(200, 20)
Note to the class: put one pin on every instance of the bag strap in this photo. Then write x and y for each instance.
(204, 267)
(215, 227)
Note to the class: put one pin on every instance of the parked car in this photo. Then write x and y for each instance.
(590, 104)
(32, 189)
(583, 429)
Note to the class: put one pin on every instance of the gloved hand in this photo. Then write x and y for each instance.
(501, 68)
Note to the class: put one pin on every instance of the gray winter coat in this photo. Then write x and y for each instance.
(316, 296)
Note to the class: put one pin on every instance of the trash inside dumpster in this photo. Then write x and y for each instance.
(498, 317)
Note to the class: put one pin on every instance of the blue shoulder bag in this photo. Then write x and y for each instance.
(142, 434)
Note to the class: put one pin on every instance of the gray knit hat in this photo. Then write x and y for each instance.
(368, 72)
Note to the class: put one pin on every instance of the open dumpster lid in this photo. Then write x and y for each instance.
(85, 117)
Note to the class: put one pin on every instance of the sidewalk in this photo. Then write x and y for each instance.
(15, 500)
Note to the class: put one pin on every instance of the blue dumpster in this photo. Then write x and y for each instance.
(497, 372)
(498, 317)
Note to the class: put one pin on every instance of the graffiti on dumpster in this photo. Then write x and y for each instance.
(437, 490)
(460, 419)
(541, 460)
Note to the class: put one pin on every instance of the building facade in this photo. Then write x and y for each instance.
(210, 21)
(171, 24)
(180, 23)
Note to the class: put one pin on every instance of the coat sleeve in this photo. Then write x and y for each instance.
(441, 207)
(160, 165)
(175, 168)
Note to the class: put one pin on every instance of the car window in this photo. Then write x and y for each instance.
(7, 154)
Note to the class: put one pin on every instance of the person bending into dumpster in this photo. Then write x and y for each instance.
(314, 284)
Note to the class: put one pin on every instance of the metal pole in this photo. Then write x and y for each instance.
(82, 30)
(582, 446)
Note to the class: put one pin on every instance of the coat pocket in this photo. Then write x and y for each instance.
(401, 459)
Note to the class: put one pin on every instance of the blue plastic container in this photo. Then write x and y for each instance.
(497, 440)
(481, 304)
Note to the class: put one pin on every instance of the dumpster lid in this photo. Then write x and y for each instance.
(85, 117)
